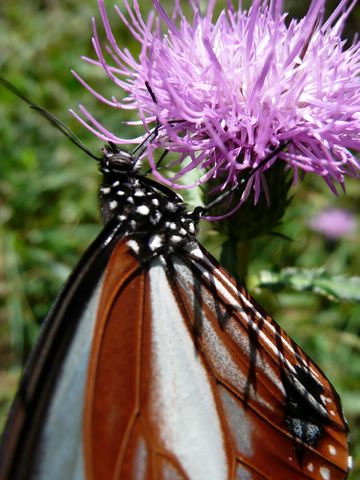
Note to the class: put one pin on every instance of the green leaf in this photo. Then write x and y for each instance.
(334, 287)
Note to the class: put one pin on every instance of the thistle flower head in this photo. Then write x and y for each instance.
(233, 89)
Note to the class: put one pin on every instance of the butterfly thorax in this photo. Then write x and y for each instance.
(153, 217)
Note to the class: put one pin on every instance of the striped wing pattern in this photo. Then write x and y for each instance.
(189, 379)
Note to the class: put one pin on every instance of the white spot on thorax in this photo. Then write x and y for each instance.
(143, 210)
(182, 396)
(155, 242)
(171, 225)
(171, 207)
(176, 239)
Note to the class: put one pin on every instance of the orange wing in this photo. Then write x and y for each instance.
(190, 379)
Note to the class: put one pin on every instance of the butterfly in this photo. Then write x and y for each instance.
(154, 363)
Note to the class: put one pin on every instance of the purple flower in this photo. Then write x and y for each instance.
(229, 91)
(334, 223)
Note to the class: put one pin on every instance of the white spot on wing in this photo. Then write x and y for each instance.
(325, 399)
(332, 450)
(105, 190)
(183, 398)
(325, 473)
(310, 467)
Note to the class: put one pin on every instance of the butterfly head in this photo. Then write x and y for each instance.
(117, 161)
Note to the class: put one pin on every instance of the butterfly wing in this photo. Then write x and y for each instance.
(56, 368)
(190, 379)
(283, 418)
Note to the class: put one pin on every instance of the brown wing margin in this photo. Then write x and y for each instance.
(283, 417)
(111, 402)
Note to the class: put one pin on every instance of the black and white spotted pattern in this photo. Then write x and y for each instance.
(155, 222)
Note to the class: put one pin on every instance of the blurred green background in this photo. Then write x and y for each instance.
(49, 212)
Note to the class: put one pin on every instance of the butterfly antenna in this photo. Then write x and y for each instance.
(243, 181)
(140, 149)
(64, 129)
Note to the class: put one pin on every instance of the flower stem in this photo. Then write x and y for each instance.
(235, 257)
(243, 254)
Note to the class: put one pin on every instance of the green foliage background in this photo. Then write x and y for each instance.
(49, 212)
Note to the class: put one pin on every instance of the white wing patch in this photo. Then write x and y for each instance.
(238, 422)
(190, 424)
(61, 446)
